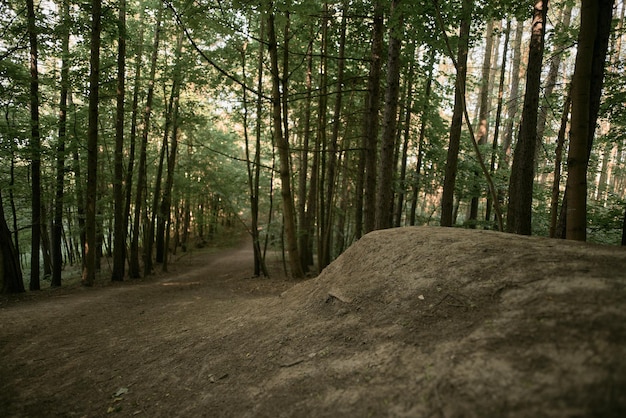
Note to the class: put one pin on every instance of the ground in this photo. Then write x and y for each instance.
(413, 322)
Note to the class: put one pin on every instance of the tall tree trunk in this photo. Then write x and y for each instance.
(321, 138)
(384, 186)
(496, 129)
(406, 133)
(35, 150)
(128, 182)
(425, 111)
(577, 160)
(80, 191)
(283, 151)
(333, 149)
(119, 233)
(57, 225)
(483, 114)
(371, 123)
(558, 157)
(89, 271)
(259, 259)
(447, 199)
(519, 215)
(304, 237)
(141, 175)
(166, 201)
(150, 226)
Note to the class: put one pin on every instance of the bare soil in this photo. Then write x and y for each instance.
(410, 322)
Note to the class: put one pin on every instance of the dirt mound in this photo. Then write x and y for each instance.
(450, 322)
(414, 322)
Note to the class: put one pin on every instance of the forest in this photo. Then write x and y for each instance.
(133, 130)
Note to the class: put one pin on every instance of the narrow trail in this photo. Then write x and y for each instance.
(67, 347)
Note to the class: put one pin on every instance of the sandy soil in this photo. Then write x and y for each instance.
(414, 322)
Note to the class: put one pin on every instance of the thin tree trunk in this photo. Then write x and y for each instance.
(422, 135)
(447, 199)
(283, 151)
(45, 243)
(35, 151)
(141, 175)
(333, 150)
(514, 93)
(556, 181)
(519, 215)
(304, 237)
(80, 191)
(384, 186)
(57, 225)
(321, 140)
(496, 129)
(166, 202)
(371, 123)
(259, 263)
(408, 111)
(483, 113)
(89, 271)
(119, 246)
(128, 183)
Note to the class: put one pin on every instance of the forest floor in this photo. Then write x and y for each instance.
(415, 322)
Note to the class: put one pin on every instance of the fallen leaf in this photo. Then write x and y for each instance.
(120, 392)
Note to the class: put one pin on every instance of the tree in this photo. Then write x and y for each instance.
(57, 228)
(278, 112)
(133, 265)
(89, 270)
(384, 188)
(371, 124)
(35, 149)
(586, 91)
(119, 234)
(326, 241)
(10, 271)
(447, 199)
(523, 170)
(483, 112)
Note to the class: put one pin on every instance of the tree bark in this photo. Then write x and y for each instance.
(283, 153)
(119, 234)
(447, 199)
(166, 201)
(558, 158)
(384, 186)
(406, 134)
(259, 259)
(35, 151)
(483, 113)
(577, 160)
(425, 112)
(133, 269)
(304, 237)
(519, 215)
(333, 149)
(371, 124)
(89, 270)
(496, 129)
(11, 280)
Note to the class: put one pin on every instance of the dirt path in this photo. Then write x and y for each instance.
(408, 322)
(125, 348)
